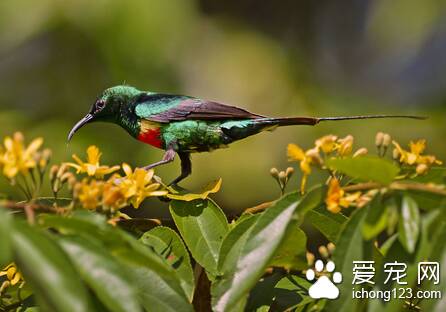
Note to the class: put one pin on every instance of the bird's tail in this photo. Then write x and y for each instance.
(242, 129)
(311, 121)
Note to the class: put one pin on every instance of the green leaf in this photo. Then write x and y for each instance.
(384, 249)
(291, 292)
(5, 237)
(282, 293)
(430, 247)
(329, 224)
(159, 287)
(138, 226)
(376, 219)
(46, 267)
(262, 295)
(81, 222)
(157, 283)
(102, 274)
(241, 273)
(312, 200)
(409, 224)
(438, 254)
(291, 254)
(202, 225)
(350, 247)
(427, 201)
(156, 293)
(366, 168)
(234, 242)
(166, 242)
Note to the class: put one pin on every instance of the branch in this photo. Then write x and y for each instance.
(400, 186)
(259, 208)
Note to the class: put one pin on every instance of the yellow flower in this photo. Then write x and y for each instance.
(12, 274)
(327, 143)
(414, 155)
(336, 197)
(113, 196)
(16, 158)
(92, 166)
(345, 146)
(306, 159)
(137, 185)
(89, 193)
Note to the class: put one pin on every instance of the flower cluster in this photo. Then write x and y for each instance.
(115, 192)
(414, 157)
(102, 188)
(24, 165)
(13, 277)
(17, 158)
(282, 177)
(329, 145)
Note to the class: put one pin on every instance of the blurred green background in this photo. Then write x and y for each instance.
(321, 58)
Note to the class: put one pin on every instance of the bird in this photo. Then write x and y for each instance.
(182, 125)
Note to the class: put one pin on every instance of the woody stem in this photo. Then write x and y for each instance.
(401, 186)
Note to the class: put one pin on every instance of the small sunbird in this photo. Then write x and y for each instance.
(183, 125)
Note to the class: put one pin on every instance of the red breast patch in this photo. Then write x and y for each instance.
(152, 137)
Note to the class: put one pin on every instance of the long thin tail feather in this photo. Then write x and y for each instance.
(288, 121)
(236, 130)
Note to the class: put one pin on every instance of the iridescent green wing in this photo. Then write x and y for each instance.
(165, 108)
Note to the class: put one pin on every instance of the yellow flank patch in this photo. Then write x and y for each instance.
(147, 125)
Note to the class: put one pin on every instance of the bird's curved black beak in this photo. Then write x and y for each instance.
(79, 125)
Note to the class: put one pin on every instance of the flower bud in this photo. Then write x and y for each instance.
(331, 247)
(4, 285)
(274, 173)
(387, 139)
(323, 251)
(46, 155)
(289, 172)
(361, 152)
(61, 170)
(421, 169)
(53, 172)
(310, 258)
(282, 177)
(379, 139)
(18, 136)
(37, 157)
(66, 176)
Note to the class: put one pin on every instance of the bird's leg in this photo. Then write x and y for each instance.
(168, 157)
(186, 167)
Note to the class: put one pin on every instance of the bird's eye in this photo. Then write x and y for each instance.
(100, 104)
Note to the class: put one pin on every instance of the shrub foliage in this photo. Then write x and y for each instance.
(82, 253)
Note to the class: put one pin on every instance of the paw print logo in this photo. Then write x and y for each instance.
(324, 287)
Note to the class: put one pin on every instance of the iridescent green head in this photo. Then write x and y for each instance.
(108, 106)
